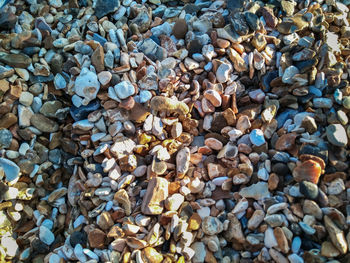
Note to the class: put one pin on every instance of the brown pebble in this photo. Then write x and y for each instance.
(97, 238)
(180, 29)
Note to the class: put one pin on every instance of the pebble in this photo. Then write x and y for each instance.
(46, 236)
(11, 170)
(289, 74)
(124, 89)
(153, 132)
(336, 135)
(256, 191)
(257, 137)
(308, 189)
(5, 138)
(86, 86)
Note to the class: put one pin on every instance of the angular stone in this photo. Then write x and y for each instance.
(105, 7)
(97, 238)
(336, 235)
(97, 59)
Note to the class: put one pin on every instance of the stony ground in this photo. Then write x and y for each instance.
(174, 131)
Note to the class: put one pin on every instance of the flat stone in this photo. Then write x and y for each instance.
(256, 219)
(200, 252)
(105, 7)
(50, 108)
(328, 250)
(256, 191)
(8, 120)
(97, 58)
(15, 60)
(43, 123)
(183, 161)
(152, 50)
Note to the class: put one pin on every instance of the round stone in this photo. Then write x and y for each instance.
(346, 102)
(26, 98)
(124, 89)
(180, 29)
(308, 189)
(211, 225)
(336, 135)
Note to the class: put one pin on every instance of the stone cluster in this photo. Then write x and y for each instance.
(163, 131)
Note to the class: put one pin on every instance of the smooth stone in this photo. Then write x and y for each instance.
(296, 244)
(145, 96)
(295, 258)
(346, 102)
(50, 108)
(200, 252)
(308, 189)
(46, 236)
(59, 82)
(15, 60)
(180, 28)
(124, 89)
(336, 135)
(257, 137)
(323, 103)
(307, 229)
(11, 169)
(5, 138)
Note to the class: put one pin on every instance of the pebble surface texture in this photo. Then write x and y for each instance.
(157, 131)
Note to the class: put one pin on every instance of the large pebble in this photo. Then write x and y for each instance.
(336, 135)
